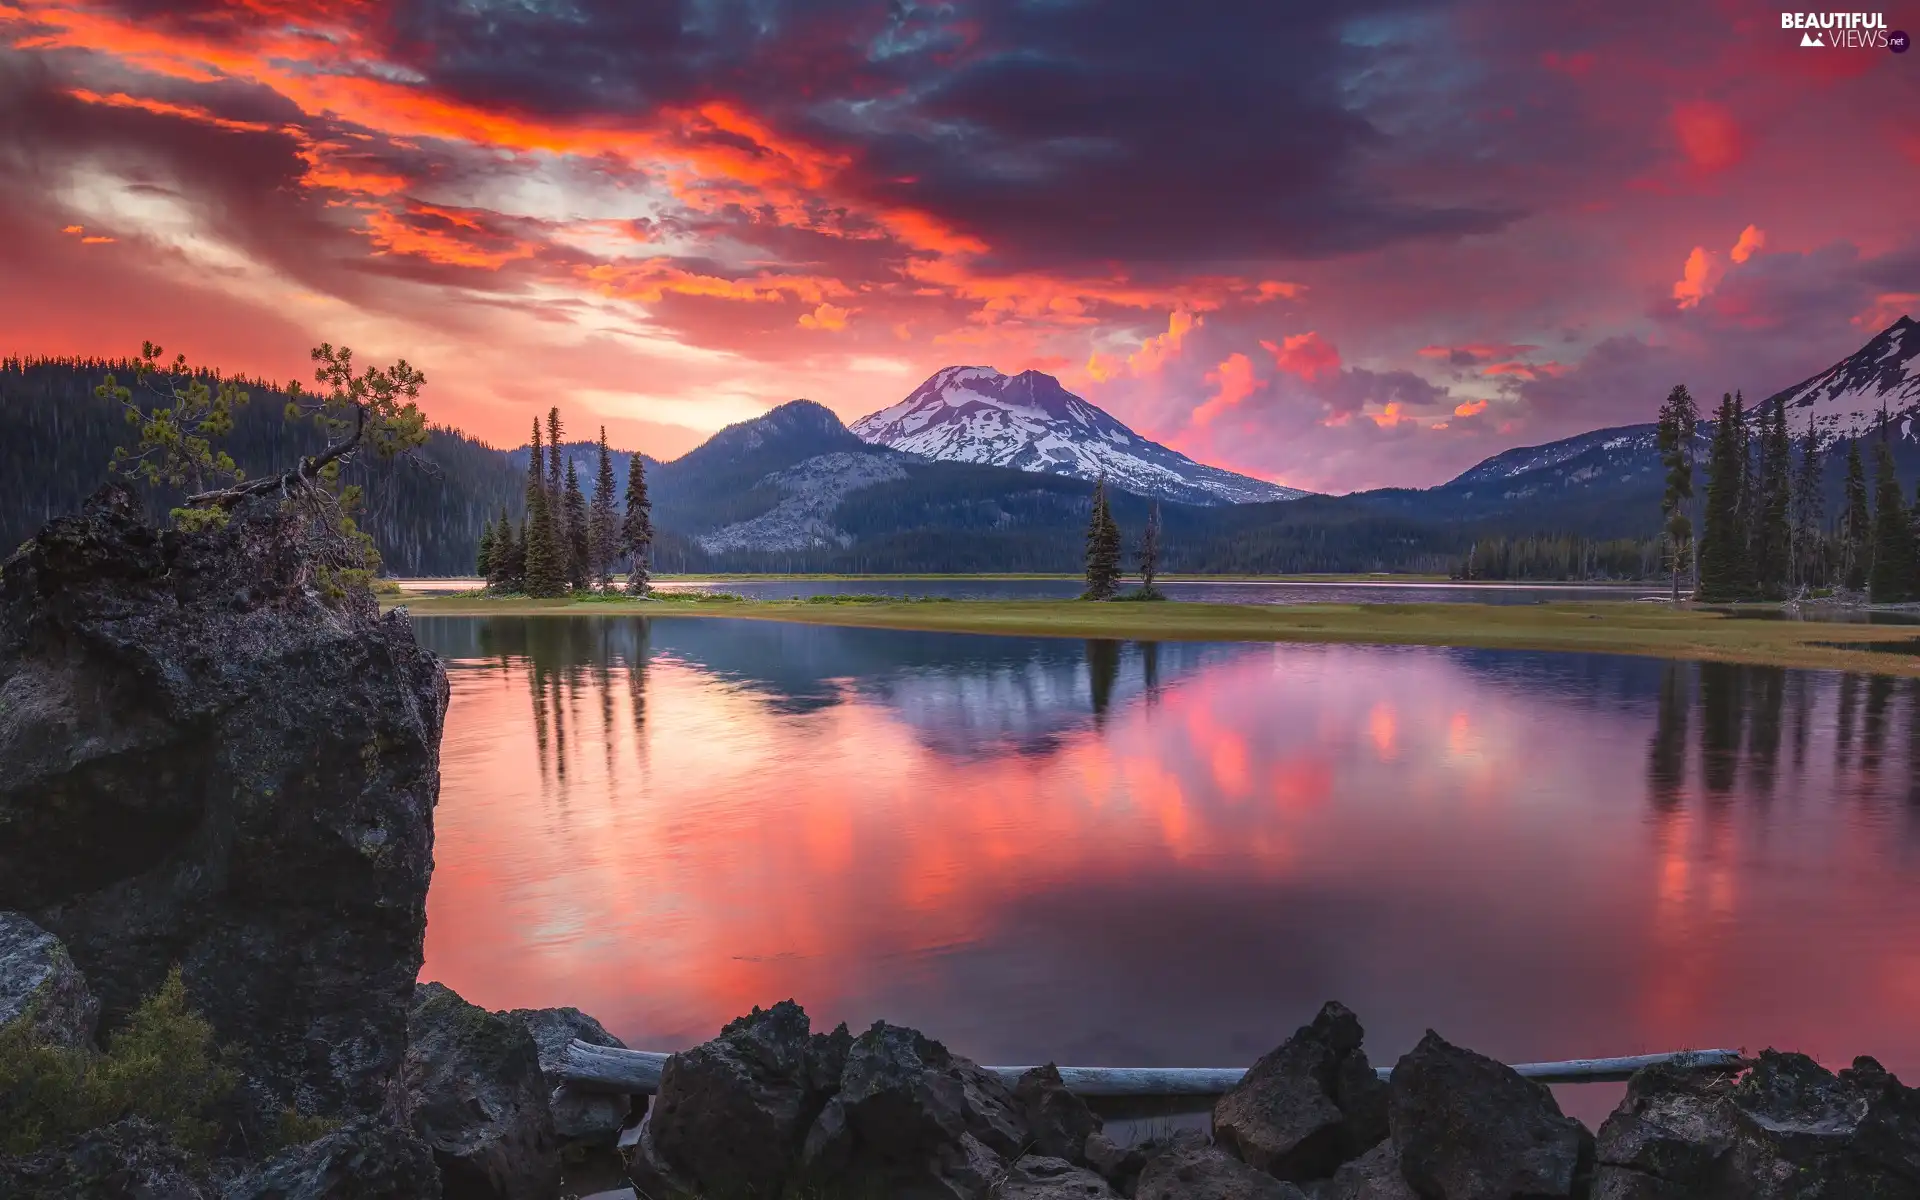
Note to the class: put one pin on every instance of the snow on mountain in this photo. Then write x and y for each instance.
(1028, 421)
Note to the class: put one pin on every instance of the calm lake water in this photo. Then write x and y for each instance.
(1108, 853)
(1207, 591)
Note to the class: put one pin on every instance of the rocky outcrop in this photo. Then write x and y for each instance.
(1190, 1168)
(216, 754)
(592, 1118)
(1469, 1128)
(367, 1159)
(39, 983)
(479, 1100)
(1375, 1175)
(1308, 1106)
(1037, 1177)
(1058, 1122)
(131, 1159)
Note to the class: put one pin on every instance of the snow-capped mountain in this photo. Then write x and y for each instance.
(1029, 422)
(1847, 398)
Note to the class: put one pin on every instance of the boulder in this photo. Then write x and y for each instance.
(1058, 1122)
(479, 1101)
(1118, 1165)
(1040, 1177)
(1804, 1133)
(578, 1116)
(38, 981)
(366, 1159)
(731, 1114)
(1888, 1135)
(132, 1159)
(1375, 1175)
(216, 754)
(1469, 1128)
(1670, 1136)
(1188, 1167)
(1309, 1105)
(912, 1119)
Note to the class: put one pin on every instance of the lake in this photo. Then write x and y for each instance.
(1108, 853)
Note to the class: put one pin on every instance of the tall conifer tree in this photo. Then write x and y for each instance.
(603, 541)
(636, 531)
(1890, 579)
(1723, 541)
(1856, 523)
(1808, 507)
(483, 561)
(1103, 548)
(1678, 419)
(1773, 533)
(579, 537)
(1150, 552)
(546, 556)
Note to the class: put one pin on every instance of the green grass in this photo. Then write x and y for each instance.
(1615, 627)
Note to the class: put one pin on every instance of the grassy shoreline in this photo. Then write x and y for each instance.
(1599, 627)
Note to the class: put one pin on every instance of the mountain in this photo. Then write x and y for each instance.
(1848, 398)
(1031, 423)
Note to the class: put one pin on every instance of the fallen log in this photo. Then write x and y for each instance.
(637, 1072)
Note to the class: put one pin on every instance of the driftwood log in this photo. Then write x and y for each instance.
(637, 1073)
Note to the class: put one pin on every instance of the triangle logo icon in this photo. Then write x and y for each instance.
(1811, 39)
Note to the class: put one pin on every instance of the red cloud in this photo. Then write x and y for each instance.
(1235, 379)
(1307, 355)
(1709, 136)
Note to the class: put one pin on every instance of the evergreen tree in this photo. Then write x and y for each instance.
(579, 535)
(1103, 548)
(554, 430)
(636, 531)
(483, 561)
(1723, 542)
(1746, 500)
(545, 570)
(1890, 580)
(1773, 534)
(536, 468)
(1150, 552)
(1809, 558)
(513, 572)
(604, 531)
(1855, 522)
(503, 564)
(1678, 420)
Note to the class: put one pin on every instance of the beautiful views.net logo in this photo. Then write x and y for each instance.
(1844, 30)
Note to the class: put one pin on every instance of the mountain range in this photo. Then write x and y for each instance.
(975, 471)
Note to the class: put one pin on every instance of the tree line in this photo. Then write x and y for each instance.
(1764, 533)
(565, 542)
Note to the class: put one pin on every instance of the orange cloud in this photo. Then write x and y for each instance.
(1697, 278)
(1235, 379)
(74, 229)
(1469, 408)
(440, 235)
(1390, 416)
(1307, 355)
(1274, 289)
(1156, 350)
(164, 109)
(1709, 136)
(1476, 351)
(1752, 240)
(828, 317)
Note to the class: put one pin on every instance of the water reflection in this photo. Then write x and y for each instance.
(1116, 853)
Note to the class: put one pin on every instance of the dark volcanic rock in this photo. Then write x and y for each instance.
(479, 1100)
(1469, 1128)
(366, 1159)
(1375, 1175)
(1670, 1136)
(732, 1113)
(1118, 1165)
(1058, 1122)
(1311, 1104)
(1804, 1133)
(210, 758)
(128, 1160)
(1039, 1177)
(38, 979)
(1189, 1168)
(912, 1119)
(578, 1116)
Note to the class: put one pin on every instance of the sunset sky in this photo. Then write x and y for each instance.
(1338, 245)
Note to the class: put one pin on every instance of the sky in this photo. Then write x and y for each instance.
(1336, 245)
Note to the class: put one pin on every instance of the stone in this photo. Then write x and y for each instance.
(593, 1118)
(913, 1119)
(732, 1114)
(1375, 1175)
(132, 1159)
(1804, 1133)
(479, 1101)
(1309, 1105)
(210, 757)
(1058, 1122)
(1041, 1177)
(1118, 1165)
(366, 1159)
(1673, 1130)
(1888, 1135)
(1188, 1167)
(1470, 1128)
(38, 980)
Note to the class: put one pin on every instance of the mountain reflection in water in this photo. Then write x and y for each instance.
(1113, 853)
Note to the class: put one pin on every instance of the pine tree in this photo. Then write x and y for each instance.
(1678, 419)
(1809, 558)
(603, 522)
(1103, 548)
(1773, 534)
(636, 531)
(513, 572)
(546, 556)
(579, 538)
(1890, 580)
(503, 566)
(483, 561)
(1746, 503)
(1723, 541)
(1150, 552)
(536, 468)
(1855, 522)
(554, 430)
